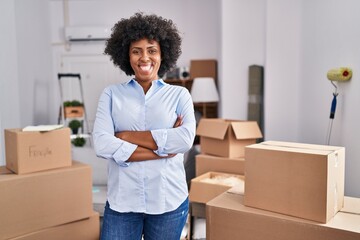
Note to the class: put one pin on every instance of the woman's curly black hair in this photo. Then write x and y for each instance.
(140, 26)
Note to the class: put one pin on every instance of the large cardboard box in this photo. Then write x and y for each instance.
(208, 163)
(34, 151)
(202, 191)
(301, 180)
(36, 201)
(227, 218)
(226, 138)
(85, 229)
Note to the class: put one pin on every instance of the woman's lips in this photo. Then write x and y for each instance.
(146, 68)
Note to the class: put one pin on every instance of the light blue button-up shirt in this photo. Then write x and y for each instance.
(154, 186)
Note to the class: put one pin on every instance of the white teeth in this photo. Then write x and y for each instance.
(145, 67)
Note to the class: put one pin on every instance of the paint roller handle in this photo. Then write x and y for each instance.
(333, 106)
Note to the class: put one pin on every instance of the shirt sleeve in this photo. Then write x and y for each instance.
(180, 139)
(106, 145)
(160, 137)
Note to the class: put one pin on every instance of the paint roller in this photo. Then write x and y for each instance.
(341, 74)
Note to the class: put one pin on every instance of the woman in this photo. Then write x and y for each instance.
(143, 127)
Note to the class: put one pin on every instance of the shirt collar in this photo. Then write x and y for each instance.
(158, 82)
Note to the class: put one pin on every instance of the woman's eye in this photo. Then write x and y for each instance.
(135, 52)
(152, 51)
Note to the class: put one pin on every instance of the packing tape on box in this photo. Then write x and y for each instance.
(301, 146)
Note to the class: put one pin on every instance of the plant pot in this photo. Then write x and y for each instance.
(75, 131)
(72, 112)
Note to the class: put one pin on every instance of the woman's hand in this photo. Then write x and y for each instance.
(178, 121)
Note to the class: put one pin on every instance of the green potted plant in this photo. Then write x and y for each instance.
(78, 141)
(67, 104)
(73, 109)
(75, 125)
(76, 103)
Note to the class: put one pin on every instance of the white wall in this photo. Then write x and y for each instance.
(242, 45)
(331, 38)
(33, 59)
(9, 88)
(283, 73)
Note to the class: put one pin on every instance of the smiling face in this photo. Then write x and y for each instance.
(145, 60)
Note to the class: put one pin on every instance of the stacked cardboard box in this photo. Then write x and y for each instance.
(227, 218)
(292, 191)
(85, 229)
(202, 190)
(208, 163)
(43, 196)
(33, 151)
(227, 138)
(222, 145)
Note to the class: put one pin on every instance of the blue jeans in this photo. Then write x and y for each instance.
(132, 226)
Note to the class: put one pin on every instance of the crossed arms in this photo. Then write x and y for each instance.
(145, 142)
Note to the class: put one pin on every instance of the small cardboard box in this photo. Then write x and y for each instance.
(34, 151)
(301, 180)
(226, 138)
(35, 201)
(202, 192)
(74, 112)
(85, 229)
(208, 163)
(227, 218)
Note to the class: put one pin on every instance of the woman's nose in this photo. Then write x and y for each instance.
(144, 56)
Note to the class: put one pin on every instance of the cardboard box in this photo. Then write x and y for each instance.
(74, 112)
(86, 229)
(36, 201)
(208, 163)
(203, 68)
(228, 219)
(202, 192)
(226, 138)
(28, 152)
(301, 180)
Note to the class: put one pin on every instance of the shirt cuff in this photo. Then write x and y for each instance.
(124, 153)
(160, 137)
